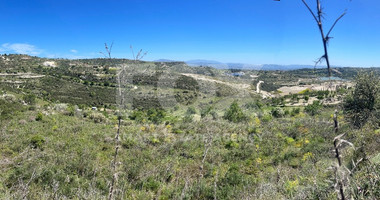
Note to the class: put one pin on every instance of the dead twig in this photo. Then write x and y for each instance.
(318, 16)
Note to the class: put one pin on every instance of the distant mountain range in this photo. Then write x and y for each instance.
(165, 60)
(220, 65)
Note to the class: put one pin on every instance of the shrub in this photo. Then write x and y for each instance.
(314, 108)
(291, 187)
(188, 118)
(32, 108)
(9, 109)
(278, 101)
(277, 112)
(233, 177)
(363, 102)
(177, 131)
(39, 116)
(156, 115)
(294, 97)
(214, 115)
(138, 116)
(267, 118)
(70, 110)
(176, 107)
(151, 184)
(231, 144)
(206, 111)
(37, 141)
(97, 117)
(191, 111)
(235, 113)
(295, 111)
(320, 97)
(29, 99)
(128, 143)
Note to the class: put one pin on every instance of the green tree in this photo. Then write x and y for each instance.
(363, 102)
(235, 113)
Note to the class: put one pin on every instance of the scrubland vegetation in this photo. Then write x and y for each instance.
(216, 142)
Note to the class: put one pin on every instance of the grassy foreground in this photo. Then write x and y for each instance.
(52, 151)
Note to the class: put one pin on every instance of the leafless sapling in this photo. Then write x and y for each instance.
(139, 56)
(340, 169)
(117, 136)
(318, 16)
(337, 155)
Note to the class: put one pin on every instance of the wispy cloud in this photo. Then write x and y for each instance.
(20, 48)
(74, 51)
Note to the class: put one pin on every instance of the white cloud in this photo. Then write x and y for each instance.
(74, 51)
(21, 48)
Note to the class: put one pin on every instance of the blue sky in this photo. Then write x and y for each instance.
(247, 31)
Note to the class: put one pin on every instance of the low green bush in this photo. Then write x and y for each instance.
(314, 108)
(278, 112)
(235, 113)
(39, 116)
(37, 142)
(97, 117)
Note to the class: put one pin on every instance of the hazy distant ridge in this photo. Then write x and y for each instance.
(220, 65)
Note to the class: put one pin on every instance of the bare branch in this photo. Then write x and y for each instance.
(312, 13)
(133, 53)
(347, 142)
(26, 187)
(111, 47)
(143, 55)
(183, 193)
(103, 54)
(138, 55)
(339, 136)
(319, 9)
(207, 145)
(356, 165)
(336, 21)
(319, 60)
(336, 71)
(108, 50)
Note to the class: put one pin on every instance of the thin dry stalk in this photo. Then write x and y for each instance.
(183, 193)
(114, 162)
(26, 186)
(207, 144)
(112, 188)
(337, 155)
(325, 37)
